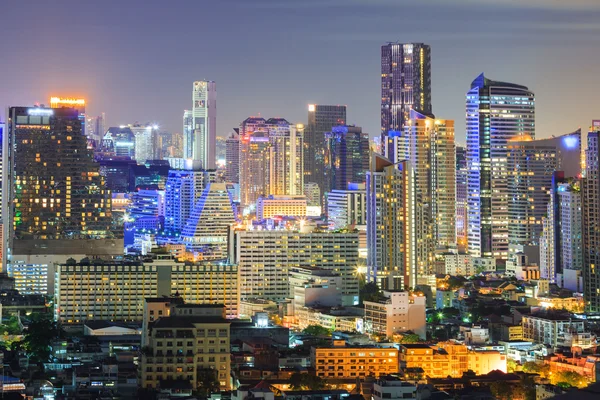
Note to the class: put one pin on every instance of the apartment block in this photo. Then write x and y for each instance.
(396, 312)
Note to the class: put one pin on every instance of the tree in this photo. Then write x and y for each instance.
(501, 390)
(570, 378)
(208, 382)
(369, 292)
(531, 367)
(301, 381)
(39, 336)
(316, 330)
(409, 338)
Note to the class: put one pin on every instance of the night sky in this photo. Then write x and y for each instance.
(136, 60)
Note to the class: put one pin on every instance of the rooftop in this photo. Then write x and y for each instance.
(187, 321)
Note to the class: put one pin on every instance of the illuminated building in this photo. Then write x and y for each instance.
(461, 196)
(344, 361)
(347, 207)
(111, 290)
(550, 330)
(456, 263)
(339, 319)
(561, 247)
(591, 221)
(1, 203)
(450, 359)
(264, 258)
(147, 147)
(286, 161)
(405, 86)
(530, 167)
(182, 190)
(119, 141)
(321, 119)
(497, 112)
(77, 104)
(390, 224)
(313, 194)
(94, 128)
(282, 206)
(346, 156)
(200, 345)
(207, 228)
(254, 161)
(398, 312)
(392, 388)
(232, 158)
(200, 125)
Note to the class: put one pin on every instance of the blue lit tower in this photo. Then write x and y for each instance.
(347, 156)
(497, 112)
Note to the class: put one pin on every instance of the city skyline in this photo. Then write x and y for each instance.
(458, 53)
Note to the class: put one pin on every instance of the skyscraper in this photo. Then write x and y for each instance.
(286, 163)
(461, 197)
(591, 221)
(321, 119)
(405, 85)
(347, 156)
(77, 104)
(201, 136)
(497, 112)
(390, 226)
(232, 158)
(254, 161)
(147, 147)
(347, 207)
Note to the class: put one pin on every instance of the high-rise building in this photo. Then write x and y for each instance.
(200, 125)
(182, 190)
(497, 112)
(2, 266)
(591, 221)
(265, 257)
(530, 167)
(119, 141)
(77, 104)
(321, 119)
(313, 194)
(346, 156)
(405, 86)
(232, 158)
(147, 142)
(390, 224)
(206, 230)
(561, 252)
(286, 167)
(347, 207)
(461, 197)
(254, 161)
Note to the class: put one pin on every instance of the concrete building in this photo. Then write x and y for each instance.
(458, 264)
(398, 312)
(265, 257)
(549, 330)
(390, 224)
(232, 158)
(347, 207)
(343, 361)
(497, 112)
(392, 388)
(591, 220)
(461, 197)
(147, 143)
(280, 206)
(200, 125)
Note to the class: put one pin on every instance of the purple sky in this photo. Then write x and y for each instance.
(136, 60)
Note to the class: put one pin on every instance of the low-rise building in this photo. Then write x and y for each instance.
(343, 361)
(585, 365)
(392, 388)
(280, 206)
(550, 329)
(444, 298)
(398, 311)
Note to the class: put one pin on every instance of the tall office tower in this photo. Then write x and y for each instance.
(182, 190)
(265, 257)
(429, 146)
(347, 207)
(206, 231)
(202, 136)
(497, 112)
(55, 200)
(1, 203)
(405, 86)
(591, 221)
(321, 119)
(313, 194)
(119, 141)
(232, 158)
(390, 224)
(254, 161)
(461, 197)
(188, 135)
(77, 104)
(286, 163)
(561, 252)
(147, 142)
(346, 156)
(530, 166)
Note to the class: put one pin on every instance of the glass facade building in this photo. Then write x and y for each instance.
(347, 156)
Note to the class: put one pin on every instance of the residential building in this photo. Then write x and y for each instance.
(312, 193)
(232, 158)
(281, 205)
(347, 207)
(185, 345)
(339, 319)
(200, 140)
(265, 257)
(456, 263)
(550, 330)
(396, 312)
(346, 156)
(207, 229)
(182, 191)
(321, 119)
(390, 224)
(591, 220)
(497, 112)
(343, 361)
(147, 143)
(286, 166)
(405, 86)
(390, 387)
(461, 197)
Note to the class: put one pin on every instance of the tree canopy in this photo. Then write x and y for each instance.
(316, 330)
(301, 381)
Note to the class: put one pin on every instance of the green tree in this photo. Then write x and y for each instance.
(501, 391)
(301, 381)
(207, 381)
(316, 330)
(409, 338)
(569, 378)
(369, 292)
(40, 333)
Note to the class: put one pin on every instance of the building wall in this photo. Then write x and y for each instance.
(348, 362)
